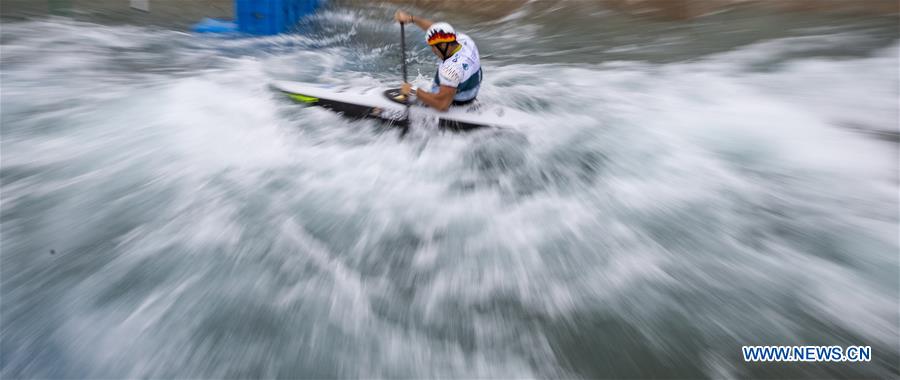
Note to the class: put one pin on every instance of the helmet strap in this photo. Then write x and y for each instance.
(443, 47)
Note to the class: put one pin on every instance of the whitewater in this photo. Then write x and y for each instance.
(684, 189)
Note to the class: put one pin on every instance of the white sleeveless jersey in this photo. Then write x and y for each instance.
(462, 70)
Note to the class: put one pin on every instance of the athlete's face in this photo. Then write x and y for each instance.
(436, 52)
(436, 49)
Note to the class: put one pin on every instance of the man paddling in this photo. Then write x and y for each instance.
(458, 76)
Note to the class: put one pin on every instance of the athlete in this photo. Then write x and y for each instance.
(458, 76)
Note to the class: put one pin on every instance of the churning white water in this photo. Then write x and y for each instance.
(682, 191)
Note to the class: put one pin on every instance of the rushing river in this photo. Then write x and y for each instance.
(684, 189)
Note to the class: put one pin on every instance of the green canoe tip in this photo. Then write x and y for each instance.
(302, 98)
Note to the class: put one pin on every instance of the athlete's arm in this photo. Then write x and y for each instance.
(441, 100)
(404, 17)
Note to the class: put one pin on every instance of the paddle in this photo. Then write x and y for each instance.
(403, 64)
(403, 49)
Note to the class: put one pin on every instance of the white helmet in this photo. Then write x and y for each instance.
(440, 32)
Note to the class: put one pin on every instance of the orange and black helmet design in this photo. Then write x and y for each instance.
(440, 32)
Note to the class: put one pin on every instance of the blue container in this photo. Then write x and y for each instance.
(267, 17)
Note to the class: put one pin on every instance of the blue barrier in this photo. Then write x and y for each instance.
(268, 17)
(260, 17)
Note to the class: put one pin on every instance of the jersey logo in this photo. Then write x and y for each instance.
(465, 66)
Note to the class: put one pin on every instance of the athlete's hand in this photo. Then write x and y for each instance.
(402, 17)
(406, 89)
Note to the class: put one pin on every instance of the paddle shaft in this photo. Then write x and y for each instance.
(403, 65)
(403, 49)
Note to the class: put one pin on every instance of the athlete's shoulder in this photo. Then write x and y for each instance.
(470, 50)
(464, 38)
